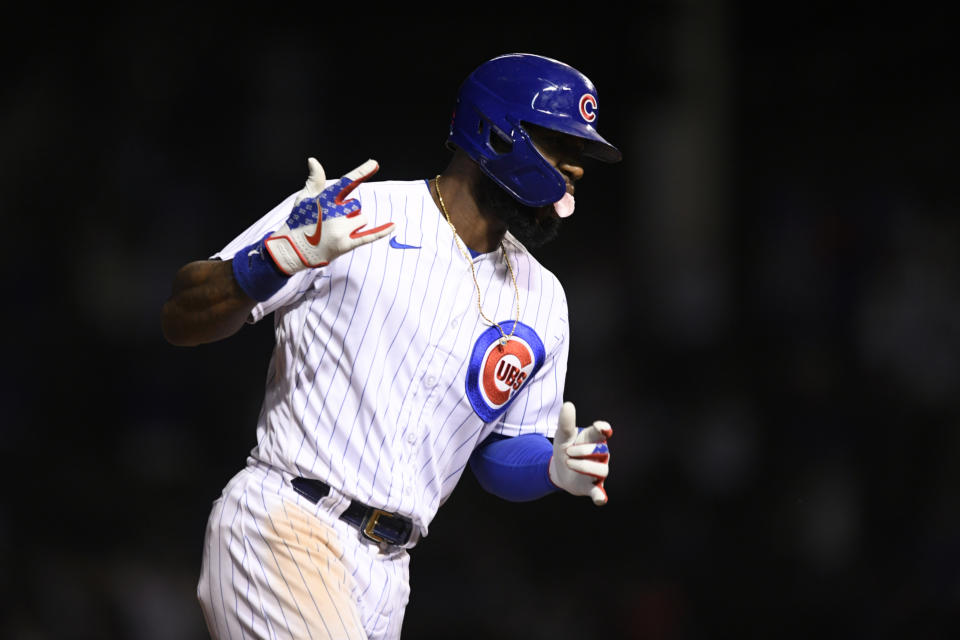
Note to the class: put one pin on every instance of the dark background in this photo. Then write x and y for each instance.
(763, 300)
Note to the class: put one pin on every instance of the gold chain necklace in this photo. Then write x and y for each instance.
(503, 336)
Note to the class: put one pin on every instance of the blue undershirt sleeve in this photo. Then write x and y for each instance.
(515, 469)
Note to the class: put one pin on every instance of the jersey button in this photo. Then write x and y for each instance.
(454, 323)
(430, 381)
(411, 437)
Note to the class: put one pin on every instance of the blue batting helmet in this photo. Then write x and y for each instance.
(502, 95)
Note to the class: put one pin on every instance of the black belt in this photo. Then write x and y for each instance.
(375, 524)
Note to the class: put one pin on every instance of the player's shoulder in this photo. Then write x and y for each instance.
(516, 248)
(393, 198)
(410, 188)
(523, 255)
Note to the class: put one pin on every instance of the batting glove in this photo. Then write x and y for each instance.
(581, 459)
(322, 225)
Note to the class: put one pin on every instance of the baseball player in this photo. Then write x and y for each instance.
(415, 335)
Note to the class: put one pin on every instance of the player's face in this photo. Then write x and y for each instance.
(535, 226)
(563, 151)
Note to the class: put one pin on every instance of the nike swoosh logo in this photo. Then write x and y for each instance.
(315, 238)
(400, 245)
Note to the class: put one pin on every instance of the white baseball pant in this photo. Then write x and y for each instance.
(277, 566)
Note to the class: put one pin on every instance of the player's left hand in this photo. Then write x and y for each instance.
(581, 458)
(324, 224)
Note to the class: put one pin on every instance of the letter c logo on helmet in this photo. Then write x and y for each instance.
(588, 107)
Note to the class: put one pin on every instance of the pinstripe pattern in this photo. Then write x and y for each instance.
(277, 566)
(366, 391)
(272, 568)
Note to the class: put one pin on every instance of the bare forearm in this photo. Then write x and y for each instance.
(206, 304)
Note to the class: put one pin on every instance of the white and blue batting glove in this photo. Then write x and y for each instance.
(322, 225)
(581, 458)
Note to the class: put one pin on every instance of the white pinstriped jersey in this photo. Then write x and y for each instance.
(385, 377)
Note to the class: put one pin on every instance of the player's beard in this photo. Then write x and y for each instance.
(532, 226)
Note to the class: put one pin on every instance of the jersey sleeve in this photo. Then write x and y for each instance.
(537, 408)
(268, 223)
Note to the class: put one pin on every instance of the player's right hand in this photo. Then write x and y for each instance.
(322, 225)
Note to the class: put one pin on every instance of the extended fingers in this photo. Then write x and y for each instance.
(566, 424)
(363, 172)
(317, 179)
(349, 181)
(376, 232)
